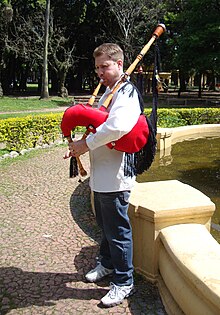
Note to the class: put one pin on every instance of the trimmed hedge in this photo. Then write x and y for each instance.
(168, 118)
(27, 132)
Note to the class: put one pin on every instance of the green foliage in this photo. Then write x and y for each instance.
(194, 36)
(77, 27)
(27, 132)
(199, 116)
(168, 118)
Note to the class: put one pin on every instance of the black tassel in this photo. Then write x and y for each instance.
(145, 157)
(129, 164)
(73, 167)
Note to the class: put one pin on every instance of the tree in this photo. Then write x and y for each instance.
(61, 59)
(200, 44)
(45, 88)
(126, 14)
(195, 36)
(64, 35)
(6, 14)
(23, 45)
(75, 31)
(136, 19)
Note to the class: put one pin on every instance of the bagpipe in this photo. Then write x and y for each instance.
(90, 117)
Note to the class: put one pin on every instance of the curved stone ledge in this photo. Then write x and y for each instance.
(191, 255)
(156, 205)
(166, 137)
(173, 246)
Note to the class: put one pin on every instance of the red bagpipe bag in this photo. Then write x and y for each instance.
(91, 118)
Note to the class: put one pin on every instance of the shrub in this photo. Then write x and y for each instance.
(183, 116)
(29, 131)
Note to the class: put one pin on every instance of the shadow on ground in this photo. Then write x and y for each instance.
(81, 211)
(20, 289)
(146, 300)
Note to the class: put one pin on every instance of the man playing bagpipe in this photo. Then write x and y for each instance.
(113, 171)
(112, 176)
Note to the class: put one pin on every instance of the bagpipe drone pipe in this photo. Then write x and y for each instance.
(140, 140)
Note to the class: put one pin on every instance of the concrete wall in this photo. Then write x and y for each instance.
(191, 255)
(173, 246)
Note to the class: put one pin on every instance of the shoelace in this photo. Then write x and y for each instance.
(113, 291)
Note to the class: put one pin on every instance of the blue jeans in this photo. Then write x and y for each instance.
(116, 248)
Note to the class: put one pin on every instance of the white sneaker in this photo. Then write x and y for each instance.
(98, 273)
(117, 294)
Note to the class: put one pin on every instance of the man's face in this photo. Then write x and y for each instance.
(108, 70)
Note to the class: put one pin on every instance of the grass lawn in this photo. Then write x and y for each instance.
(12, 104)
(24, 114)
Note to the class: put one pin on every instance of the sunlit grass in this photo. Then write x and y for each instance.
(13, 104)
(24, 114)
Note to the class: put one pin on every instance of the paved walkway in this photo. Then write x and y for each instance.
(48, 241)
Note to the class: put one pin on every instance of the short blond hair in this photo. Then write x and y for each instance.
(113, 51)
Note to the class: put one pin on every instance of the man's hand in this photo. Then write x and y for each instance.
(78, 147)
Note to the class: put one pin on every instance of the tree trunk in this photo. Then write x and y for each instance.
(44, 88)
(182, 78)
(62, 90)
(1, 91)
(54, 82)
(5, 81)
(200, 85)
(23, 79)
(212, 85)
